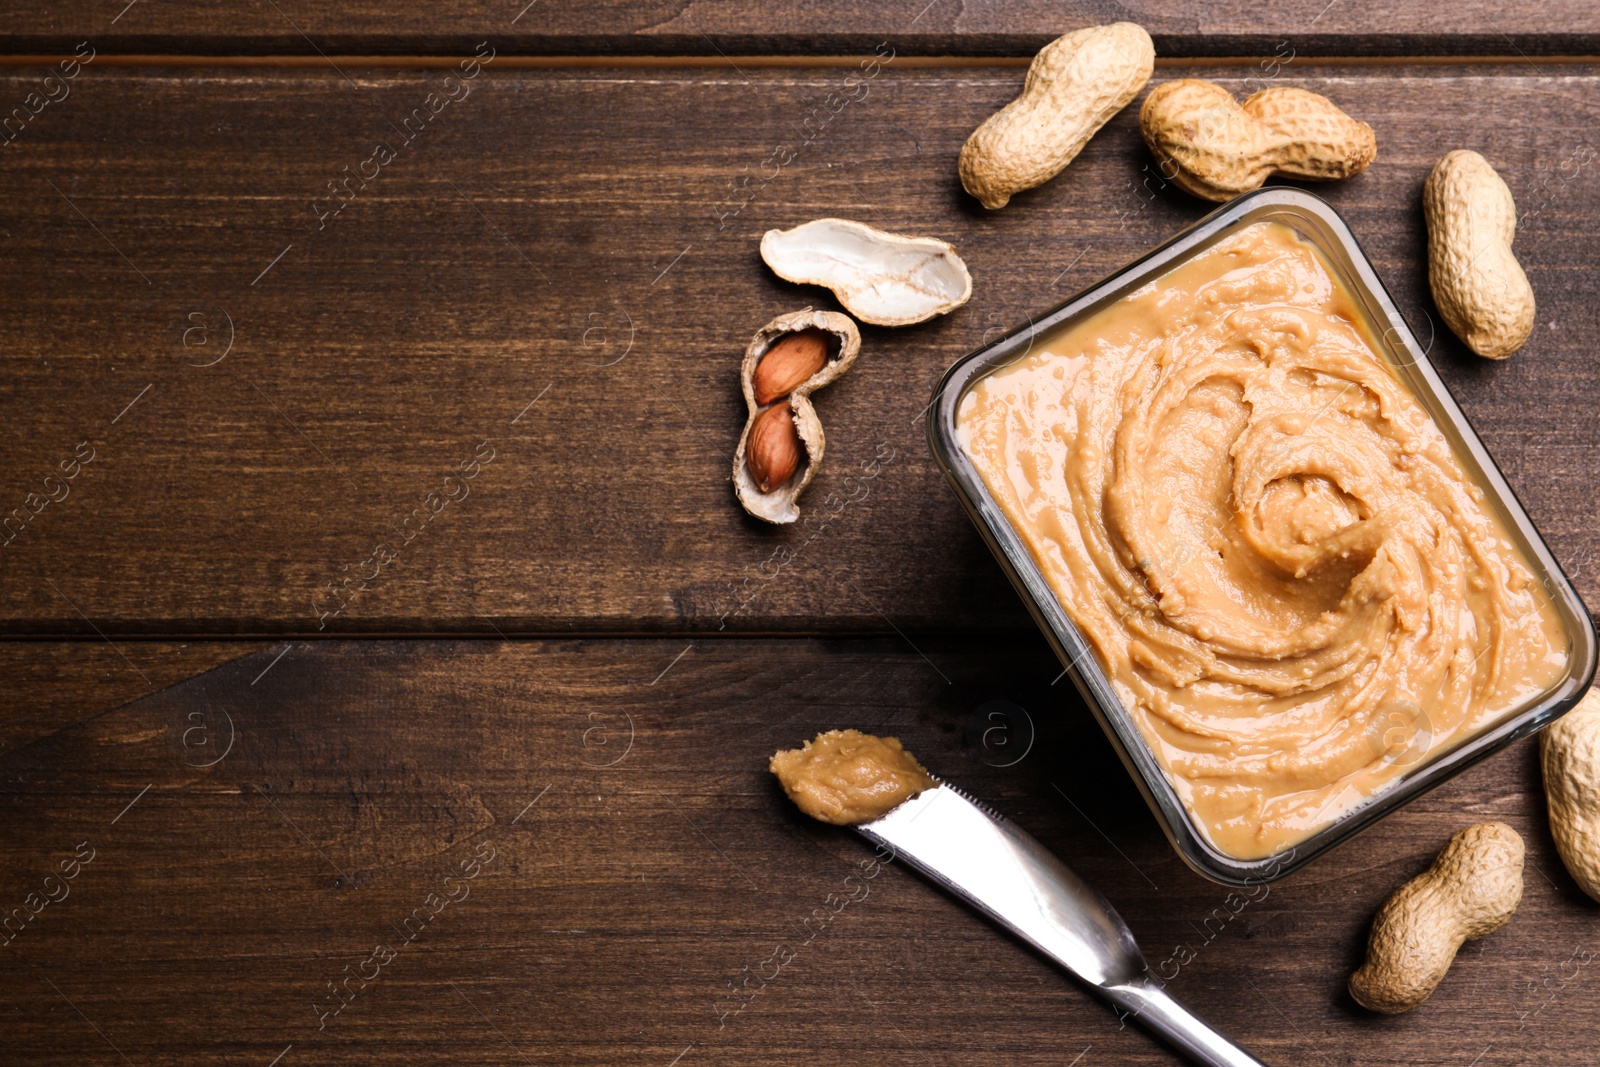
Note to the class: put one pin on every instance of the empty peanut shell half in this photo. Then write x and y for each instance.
(781, 447)
(882, 278)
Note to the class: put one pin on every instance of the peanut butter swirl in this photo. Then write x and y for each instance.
(1282, 566)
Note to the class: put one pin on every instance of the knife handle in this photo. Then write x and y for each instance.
(1153, 1008)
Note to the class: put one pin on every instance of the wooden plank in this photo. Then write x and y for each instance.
(567, 853)
(560, 271)
(54, 685)
(746, 27)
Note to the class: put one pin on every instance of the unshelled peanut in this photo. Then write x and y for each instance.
(1570, 753)
(1074, 86)
(1472, 889)
(1477, 282)
(1209, 144)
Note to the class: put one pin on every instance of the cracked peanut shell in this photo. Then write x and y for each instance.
(778, 504)
(883, 278)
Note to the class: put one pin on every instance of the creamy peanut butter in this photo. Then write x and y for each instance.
(847, 777)
(1283, 568)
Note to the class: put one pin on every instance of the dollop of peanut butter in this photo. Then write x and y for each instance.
(1285, 570)
(846, 777)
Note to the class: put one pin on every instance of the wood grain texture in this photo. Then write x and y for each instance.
(643, 861)
(735, 27)
(561, 269)
(54, 685)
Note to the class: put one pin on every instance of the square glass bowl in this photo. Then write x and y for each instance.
(1317, 224)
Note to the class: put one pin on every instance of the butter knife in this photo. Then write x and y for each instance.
(975, 853)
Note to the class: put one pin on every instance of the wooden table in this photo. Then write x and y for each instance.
(508, 804)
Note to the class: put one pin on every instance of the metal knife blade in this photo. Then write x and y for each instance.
(1004, 873)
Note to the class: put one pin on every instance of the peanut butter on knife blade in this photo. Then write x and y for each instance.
(846, 777)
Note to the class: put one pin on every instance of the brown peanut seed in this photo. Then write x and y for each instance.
(789, 363)
(773, 450)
